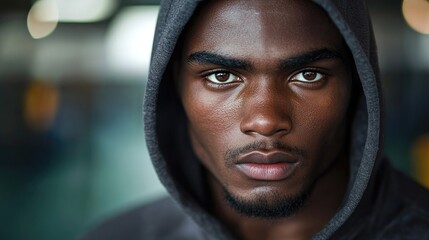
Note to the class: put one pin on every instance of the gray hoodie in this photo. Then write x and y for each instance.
(380, 202)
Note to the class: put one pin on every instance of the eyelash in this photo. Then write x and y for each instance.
(220, 85)
(226, 85)
(322, 74)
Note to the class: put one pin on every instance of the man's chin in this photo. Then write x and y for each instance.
(267, 204)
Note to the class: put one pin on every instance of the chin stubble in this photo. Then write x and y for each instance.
(267, 205)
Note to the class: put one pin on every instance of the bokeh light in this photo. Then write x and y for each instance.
(129, 40)
(416, 13)
(421, 159)
(40, 105)
(45, 15)
(85, 10)
(42, 18)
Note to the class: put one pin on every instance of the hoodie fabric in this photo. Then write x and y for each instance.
(380, 202)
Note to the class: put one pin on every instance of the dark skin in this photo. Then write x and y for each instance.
(270, 72)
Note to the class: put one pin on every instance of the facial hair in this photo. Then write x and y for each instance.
(267, 205)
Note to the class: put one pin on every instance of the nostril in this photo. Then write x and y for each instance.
(265, 125)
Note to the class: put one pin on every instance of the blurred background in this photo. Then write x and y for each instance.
(72, 79)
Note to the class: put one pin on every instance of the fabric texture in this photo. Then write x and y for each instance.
(381, 203)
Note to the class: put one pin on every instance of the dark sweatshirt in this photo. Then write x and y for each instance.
(380, 202)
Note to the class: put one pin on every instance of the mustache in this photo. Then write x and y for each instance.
(231, 155)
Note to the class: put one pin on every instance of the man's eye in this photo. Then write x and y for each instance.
(308, 76)
(222, 77)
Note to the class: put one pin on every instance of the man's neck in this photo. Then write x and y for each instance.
(323, 202)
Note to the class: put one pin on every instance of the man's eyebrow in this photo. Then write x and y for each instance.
(217, 59)
(289, 63)
(310, 57)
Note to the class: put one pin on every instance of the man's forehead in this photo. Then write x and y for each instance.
(271, 29)
(250, 9)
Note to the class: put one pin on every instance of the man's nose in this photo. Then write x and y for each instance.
(266, 112)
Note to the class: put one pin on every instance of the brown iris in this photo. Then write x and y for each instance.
(222, 76)
(310, 76)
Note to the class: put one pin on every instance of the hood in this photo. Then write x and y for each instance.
(165, 122)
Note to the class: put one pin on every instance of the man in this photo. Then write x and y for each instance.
(263, 121)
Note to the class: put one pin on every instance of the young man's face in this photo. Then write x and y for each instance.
(266, 86)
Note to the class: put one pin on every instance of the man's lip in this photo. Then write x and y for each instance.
(272, 166)
(266, 158)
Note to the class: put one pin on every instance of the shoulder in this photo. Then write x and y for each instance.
(411, 193)
(162, 219)
(411, 217)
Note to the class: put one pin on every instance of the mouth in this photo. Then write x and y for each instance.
(271, 166)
